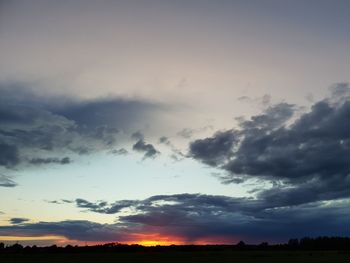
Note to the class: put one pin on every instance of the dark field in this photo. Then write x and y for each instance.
(197, 256)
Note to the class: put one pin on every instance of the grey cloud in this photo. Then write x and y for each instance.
(137, 135)
(72, 229)
(9, 155)
(38, 161)
(148, 149)
(34, 126)
(197, 216)
(5, 181)
(214, 149)
(188, 132)
(176, 154)
(18, 220)
(114, 113)
(104, 207)
(120, 151)
(59, 202)
(273, 117)
(263, 101)
(309, 156)
(82, 203)
(315, 145)
(164, 140)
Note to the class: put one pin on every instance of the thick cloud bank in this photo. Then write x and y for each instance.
(38, 130)
(196, 218)
(306, 157)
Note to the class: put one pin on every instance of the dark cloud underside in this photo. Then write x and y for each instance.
(37, 130)
(194, 217)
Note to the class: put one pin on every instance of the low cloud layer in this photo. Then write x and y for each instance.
(70, 229)
(193, 218)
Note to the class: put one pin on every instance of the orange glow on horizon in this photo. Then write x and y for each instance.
(216, 240)
(149, 239)
(155, 240)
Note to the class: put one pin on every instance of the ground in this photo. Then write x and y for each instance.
(199, 256)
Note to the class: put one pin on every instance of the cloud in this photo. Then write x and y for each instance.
(120, 151)
(35, 128)
(176, 154)
(263, 101)
(104, 207)
(214, 149)
(148, 149)
(71, 229)
(62, 201)
(38, 161)
(188, 132)
(195, 217)
(164, 140)
(137, 135)
(5, 181)
(8, 155)
(307, 158)
(18, 220)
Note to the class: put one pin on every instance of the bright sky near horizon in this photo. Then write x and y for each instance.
(160, 122)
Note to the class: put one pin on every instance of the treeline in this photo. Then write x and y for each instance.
(331, 243)
(307, 243)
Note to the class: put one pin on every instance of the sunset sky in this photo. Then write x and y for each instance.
(174, 122)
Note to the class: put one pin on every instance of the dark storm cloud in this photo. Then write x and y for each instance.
(18, 220)
(198, 216)
(34, 127)
(194, 217)
(148, 149)
(5, 181)
(309, 155)
(214, 149)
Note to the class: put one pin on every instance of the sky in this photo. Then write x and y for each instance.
(174, 122)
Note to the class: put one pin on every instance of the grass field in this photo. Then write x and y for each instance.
(182, 257)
